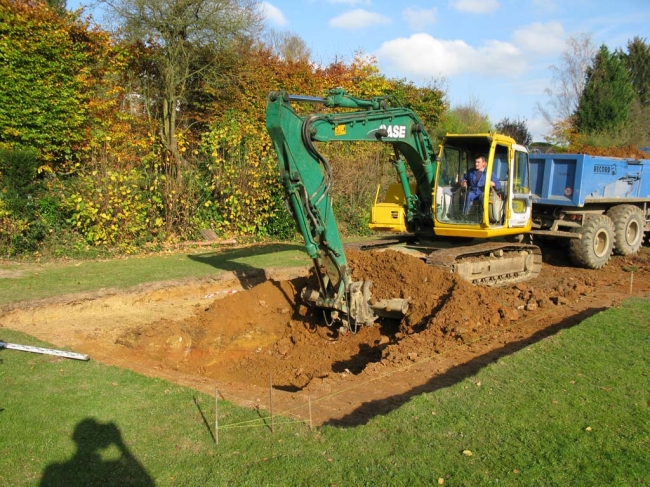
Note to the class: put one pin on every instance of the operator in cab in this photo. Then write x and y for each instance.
(474, 181)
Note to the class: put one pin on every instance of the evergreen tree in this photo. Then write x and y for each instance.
(638, 64)
(607, 98)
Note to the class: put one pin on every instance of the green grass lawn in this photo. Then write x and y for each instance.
(38, 281)
(571, 410)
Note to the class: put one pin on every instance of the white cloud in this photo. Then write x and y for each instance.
(475, 6)
(273, 14)
(358, 19)
(538, 128)
(418, 19)
(425, 56)
(541, 38)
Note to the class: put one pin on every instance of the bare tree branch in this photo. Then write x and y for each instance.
(568, 81)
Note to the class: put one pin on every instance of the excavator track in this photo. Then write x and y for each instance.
(492, 263)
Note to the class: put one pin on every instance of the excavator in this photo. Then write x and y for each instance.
(426, 204)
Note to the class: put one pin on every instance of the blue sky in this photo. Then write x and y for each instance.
(496, 52)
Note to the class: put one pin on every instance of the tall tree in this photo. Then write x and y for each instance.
(187, 39)
(608, 95)
(567, 84)
(48, 62)
(638, 64)
(427, 101)
(637, 59)
(57, 5)
(287, 45)
(517, 129)
(467, 118)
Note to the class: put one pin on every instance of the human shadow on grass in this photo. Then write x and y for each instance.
(454, 375)
(248, 275)
(88, 467)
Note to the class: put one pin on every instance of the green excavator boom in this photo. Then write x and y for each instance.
(307, 179)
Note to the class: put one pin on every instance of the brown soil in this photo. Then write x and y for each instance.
(628, 152)
(238, 337)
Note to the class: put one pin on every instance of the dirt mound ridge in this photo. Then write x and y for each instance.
(626, 152)
(267, 330)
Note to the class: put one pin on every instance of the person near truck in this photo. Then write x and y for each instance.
(474, 181)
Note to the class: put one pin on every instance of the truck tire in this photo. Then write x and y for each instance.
(628, 226)
(594, 248)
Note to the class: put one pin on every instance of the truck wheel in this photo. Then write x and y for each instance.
(628, 225)
(594, 248)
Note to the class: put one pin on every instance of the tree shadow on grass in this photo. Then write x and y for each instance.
(248, 275)
(376, 407)
(88, 467)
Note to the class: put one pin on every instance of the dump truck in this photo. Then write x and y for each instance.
(598, 205)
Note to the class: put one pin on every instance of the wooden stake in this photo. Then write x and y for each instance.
(311, 423)
(271, 398)
(631, 281)
(216, 416)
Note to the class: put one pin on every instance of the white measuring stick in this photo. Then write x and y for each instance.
(47, 351)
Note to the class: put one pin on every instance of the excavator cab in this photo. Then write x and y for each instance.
(457, 213)
(503, 209)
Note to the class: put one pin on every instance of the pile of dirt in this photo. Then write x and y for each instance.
(217, 341)
(626, 152)
(444, 309)
(267, 330)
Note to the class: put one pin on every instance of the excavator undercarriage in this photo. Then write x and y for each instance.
(490, 264)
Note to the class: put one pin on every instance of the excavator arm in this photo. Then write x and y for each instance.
(307, 179)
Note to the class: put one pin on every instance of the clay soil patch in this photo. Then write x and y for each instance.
(239, 334)
(628, 152)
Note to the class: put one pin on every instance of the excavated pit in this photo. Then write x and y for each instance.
(239, 338)
(267, 330)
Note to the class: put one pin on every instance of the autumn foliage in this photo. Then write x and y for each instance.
(82, 102)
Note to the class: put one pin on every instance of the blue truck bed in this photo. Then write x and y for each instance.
(573, 180)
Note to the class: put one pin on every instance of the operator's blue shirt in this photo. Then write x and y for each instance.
(476, 181)
(476, 187)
